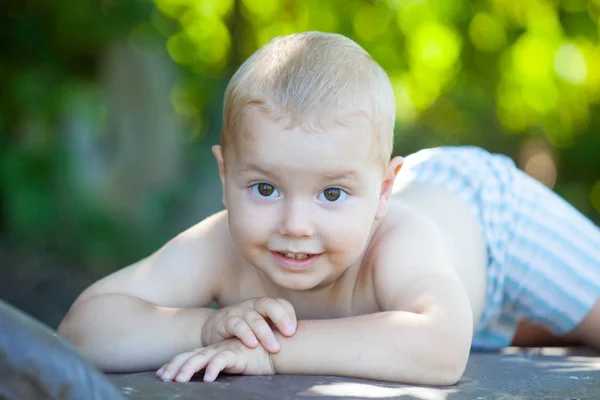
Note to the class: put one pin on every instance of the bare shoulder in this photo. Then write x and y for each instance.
(187, 271)
(410, 262)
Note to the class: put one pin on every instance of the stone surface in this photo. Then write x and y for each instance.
(515, 374)
(35, 363)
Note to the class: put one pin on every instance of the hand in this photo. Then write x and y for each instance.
(249, 321)
(230, 356)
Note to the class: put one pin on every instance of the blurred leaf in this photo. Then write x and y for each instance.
(491, 73)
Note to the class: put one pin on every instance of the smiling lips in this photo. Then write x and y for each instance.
(295, 261)
(297, 256)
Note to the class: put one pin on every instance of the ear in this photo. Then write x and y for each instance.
(387, 186)
(218, 153)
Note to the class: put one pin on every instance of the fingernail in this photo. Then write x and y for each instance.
(290, 328)
(180, 377)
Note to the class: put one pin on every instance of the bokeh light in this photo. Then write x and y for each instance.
(109, 108)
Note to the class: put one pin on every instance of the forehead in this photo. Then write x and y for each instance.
(320, 146)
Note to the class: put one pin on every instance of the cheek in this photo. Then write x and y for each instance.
(348, 232)
(248, 223)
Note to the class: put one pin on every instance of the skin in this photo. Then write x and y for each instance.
(348, 238)
(388, 278)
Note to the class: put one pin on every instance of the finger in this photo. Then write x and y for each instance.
(238, 327)
(225, 360)
(262, 330)
(291, 312)
(172, 368)
(160, 371)
(194, 364)
(277, 313)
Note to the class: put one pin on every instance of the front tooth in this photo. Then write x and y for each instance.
(296, 256)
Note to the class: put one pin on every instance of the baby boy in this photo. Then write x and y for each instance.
(333, 258)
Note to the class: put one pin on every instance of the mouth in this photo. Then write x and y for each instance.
(295, 261)
(296, 256)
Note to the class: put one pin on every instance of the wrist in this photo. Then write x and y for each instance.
(192, 322)
(274, 356)
(278, 361)
(204, 322)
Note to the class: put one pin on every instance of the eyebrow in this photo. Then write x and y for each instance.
(253, 168)
(344, 175)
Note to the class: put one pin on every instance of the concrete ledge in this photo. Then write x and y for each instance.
(35, 363)
(514, 374)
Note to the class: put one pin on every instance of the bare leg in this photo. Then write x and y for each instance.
(535, 335)
(589, 330)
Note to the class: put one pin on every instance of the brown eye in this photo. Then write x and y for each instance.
(265, 189)
(332, 194)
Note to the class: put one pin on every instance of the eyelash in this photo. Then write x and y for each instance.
(255, 191)
(343, 195)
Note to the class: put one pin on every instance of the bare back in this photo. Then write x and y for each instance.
(461, 235)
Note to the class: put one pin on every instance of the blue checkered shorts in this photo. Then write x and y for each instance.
(543, 255)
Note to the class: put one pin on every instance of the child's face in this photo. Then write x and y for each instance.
(312, 194)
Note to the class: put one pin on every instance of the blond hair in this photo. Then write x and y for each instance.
(308, 77)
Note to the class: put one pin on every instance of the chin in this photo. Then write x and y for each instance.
(305, 284)
(298, 283)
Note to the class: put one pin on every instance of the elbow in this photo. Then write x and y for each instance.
(444, 367)
(450, 358)
(71, 325)
(76, 325)
(444, 353)
(73, 335)
(454, 337)
(450, 371)
(436, 366)
(67, 331)
(438, 359)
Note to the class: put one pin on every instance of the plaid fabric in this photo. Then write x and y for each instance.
(543, 255)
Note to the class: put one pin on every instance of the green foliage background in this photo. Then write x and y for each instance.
(512, 76)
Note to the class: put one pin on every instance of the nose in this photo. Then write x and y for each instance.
(296, 220)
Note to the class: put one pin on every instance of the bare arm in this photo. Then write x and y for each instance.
(141, 316)
(423, 337)
(390, 346)
(123, 333)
